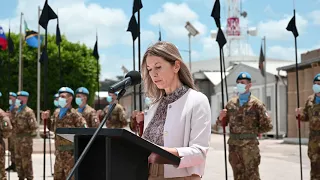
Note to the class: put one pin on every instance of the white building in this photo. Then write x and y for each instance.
(209, 80)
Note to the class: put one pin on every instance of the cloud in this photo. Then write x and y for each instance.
(269, 11)
(315, 16)
(110, 72)
(276, 29)
(110, 23)
(79, 20)
(288, 53)
(210, 48)
(173, 18)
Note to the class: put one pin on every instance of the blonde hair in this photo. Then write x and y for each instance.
(170, 53)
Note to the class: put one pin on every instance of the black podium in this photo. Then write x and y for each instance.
(116, 154)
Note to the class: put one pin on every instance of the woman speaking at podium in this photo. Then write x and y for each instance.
(179, 118)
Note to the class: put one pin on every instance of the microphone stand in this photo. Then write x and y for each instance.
(106, 117)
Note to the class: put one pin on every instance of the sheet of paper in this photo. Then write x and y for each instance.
(69, 137)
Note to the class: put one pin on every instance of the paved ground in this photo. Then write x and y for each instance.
(279, 162)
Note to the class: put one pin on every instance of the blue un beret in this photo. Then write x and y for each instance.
(0, 94)
(12, 94)
(317, 77)
(23, 93)
(56, 95)
(244, 75)
(82, 90)
(66, 90)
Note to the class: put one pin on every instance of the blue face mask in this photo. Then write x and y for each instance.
(147, 101)
(78, 101)
(18, 102)
(109, 99)
(10, 102)
(316, 88)
(241, 88)
(56, 103)
(62, 102)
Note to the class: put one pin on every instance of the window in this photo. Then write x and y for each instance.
(268, 104)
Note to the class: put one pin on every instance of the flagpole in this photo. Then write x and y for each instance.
(225, 75)
(8, 90)
(45, 102)
(59, 57)
(139, 57)
(98, 72)
(38, 76)
(134, 68)
(298, 101)
(265, 70)
(20, 55)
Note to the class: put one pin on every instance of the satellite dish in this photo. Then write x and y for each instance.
(244, 14)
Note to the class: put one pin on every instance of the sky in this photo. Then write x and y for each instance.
(80, 20)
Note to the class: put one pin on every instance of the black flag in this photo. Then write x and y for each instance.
(95, 52)
(58, 35)
(133, 27)
(159, 33)
(216, 13)
(43, 56)
(137, 5)
(261, 61)
(221, 39)
(10, 44)
(46, 15)
(292, 26)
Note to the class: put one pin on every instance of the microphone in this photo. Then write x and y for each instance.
(132, 78)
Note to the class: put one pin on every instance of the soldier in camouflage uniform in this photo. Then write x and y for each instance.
(5, 132)
(89, 114)
(25, 126)
(11, 139)
(247, 117)
(118, 116)
(70, 118)
(311, 113)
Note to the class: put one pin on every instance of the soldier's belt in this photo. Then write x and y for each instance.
(242, 136)
(24, 135)
(315, 132)
(65, 148)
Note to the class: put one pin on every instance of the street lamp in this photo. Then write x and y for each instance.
(192, 32)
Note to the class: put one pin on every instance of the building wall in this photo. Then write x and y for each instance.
(305, 89)
(310, 55)
(206, 87)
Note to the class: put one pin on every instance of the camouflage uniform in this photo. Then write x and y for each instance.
(64, 149)
(118, 117)
(245, 123)
(311, 113)
(89, 114)
(5, 132)
(11, 139)
(25, 126)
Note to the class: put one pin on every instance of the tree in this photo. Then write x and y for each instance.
(79, 68)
